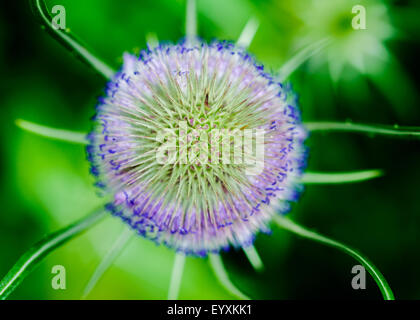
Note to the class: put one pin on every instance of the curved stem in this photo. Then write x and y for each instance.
(176, 276)
(69, 41)
(52, 133)
(364, 128)
(248, 33)
(380, 280)
(221, 274)
(108, 259)
(30, 259)
(339, 177)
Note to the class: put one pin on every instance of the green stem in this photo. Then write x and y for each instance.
(364, 128)
(70, 41)
(339, 177)
(291, 226)
(52, 133)
(30, 259)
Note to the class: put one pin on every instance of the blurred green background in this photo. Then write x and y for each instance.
(368, 76)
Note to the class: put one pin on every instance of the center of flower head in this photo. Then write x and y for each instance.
(195, 143)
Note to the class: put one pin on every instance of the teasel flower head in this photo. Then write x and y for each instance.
(163, 139)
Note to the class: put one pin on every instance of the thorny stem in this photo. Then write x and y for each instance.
(70, 41)
(31, 258)
(364, 128)
(380, 280)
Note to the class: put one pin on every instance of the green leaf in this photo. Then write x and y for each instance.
(29, 260)
(339, 177)
(292, 226)
(395, 130)
(52, 133)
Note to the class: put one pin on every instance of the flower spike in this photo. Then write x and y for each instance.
(162, 145)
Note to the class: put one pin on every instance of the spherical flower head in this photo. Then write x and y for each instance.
(198, 146)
